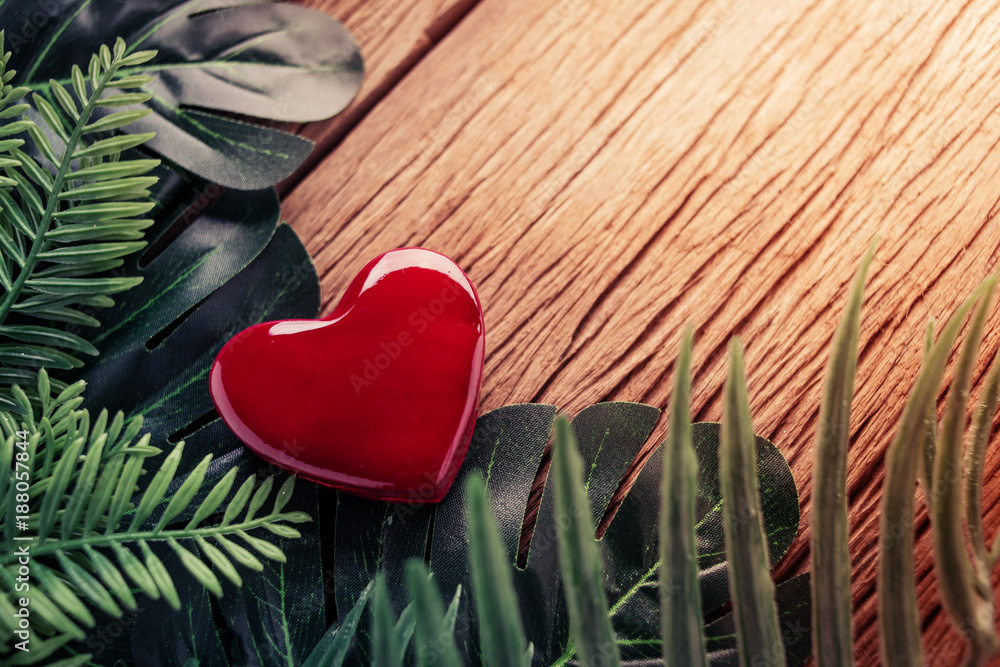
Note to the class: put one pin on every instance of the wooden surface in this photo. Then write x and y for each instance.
(606, 172)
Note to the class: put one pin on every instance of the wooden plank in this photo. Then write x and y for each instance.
(606, 172)
(394, 35)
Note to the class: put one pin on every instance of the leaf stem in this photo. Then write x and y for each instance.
(150, 536)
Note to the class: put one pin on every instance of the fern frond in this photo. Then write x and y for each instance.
(97, 538)
(70, 216)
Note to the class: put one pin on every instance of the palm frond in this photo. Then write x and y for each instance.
(95, 536)
(69, 216)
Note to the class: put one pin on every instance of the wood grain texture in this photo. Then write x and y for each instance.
(394, 36)
(607, 172)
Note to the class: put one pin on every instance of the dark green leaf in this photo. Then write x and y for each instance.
(302, 64)
(162, 636)
(507, 445)
(332, 648)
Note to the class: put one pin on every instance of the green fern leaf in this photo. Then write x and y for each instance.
(85, 472)
(68, 216)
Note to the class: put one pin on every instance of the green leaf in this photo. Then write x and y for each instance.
(10, 249)
(104, 211)
(113, 145)
(43, 144)
(136, 571)
(106, 189)
(57, 489)
(47, 336)
(16, 127)
(116, 120)
(92, 252)
(214, 499)
(78, 286)
(755, 611)
(681, 617)
(184, 495)
(830, 557)
(61, 594)
(580, 560)
(79, 84)
(123, 491)
(123, 99)
(115, 170)
(16, 215)
(386, 649)
(133, 81)
(506, 447)
(966, 596)
(899, 626)
(259, 498)
(160, 576)
(223, 564)
(434, 643)
(332, 648)
(158, 486)
(50, 116)
(101, 500)
(90, 587)
(64, 99)
(138, 58)
(282, 530)
(118, 230)
(263, 547)
(239, 500)
(982, 424)
(240, 554)
(111, 576)
(273, 61)
(284, 494)
(82, 488)
(197, 568)
(502, 635)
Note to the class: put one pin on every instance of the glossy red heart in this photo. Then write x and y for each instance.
(378, 399)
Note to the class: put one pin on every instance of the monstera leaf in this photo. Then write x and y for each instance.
(507, 447)
(265, 60)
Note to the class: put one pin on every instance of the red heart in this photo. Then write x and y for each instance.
(377, 399)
